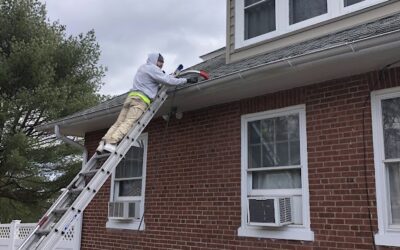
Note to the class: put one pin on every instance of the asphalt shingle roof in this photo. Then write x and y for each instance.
(217, 67)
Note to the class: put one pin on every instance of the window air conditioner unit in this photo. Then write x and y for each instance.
(126, 210)
(270, 211)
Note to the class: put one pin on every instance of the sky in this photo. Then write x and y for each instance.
(128, 30)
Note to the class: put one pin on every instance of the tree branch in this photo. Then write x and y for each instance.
(26, 119)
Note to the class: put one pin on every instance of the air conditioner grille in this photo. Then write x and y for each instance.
(285, 208)
(262, 211)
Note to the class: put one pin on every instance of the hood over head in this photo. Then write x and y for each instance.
(153, 58)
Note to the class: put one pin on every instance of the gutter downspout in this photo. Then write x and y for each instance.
(72, 143)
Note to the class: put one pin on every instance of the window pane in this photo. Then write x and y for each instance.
(391, 127)
(281, 128)
(254, 132)
(268, 155)
(280, 179)
(282, 154)
(351, 2)
(300, 10)
(130, 188)
(259, 19)
(131, 165)
(274, 142)
(255, 156)
(268, 130)
(394, 184)
(293, 127)
(294, 153)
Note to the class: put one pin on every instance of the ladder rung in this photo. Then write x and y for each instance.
(100, 156)
(42, 232)
(76, 190)
(60, 210)
(89, 173)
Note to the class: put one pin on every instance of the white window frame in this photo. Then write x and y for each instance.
(289, 232)
(335, 9)
(387, 235)
(135, 223)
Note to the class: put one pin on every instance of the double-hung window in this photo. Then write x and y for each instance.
(274, 167)
(126, 204)
(258, 20)
(386, 139)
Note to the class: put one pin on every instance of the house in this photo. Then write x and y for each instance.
(293, 143)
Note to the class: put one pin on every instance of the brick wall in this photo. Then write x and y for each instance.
(193, 174)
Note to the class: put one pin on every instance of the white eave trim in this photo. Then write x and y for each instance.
(315, 55)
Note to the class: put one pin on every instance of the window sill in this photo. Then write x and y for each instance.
(287, 233)
(130, 225)
(388, 239)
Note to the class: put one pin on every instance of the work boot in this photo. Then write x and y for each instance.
(110, 147)
(100, 148)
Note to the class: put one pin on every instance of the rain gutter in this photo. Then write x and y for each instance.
(291, 61)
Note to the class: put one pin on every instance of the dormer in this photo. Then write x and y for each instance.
(259, 26)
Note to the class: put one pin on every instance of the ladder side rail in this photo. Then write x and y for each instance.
(84, 199)
(45, 218)
(86, 196)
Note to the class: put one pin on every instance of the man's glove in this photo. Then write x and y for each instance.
(192, 80)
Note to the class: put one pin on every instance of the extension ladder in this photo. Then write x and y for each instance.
(70, 205)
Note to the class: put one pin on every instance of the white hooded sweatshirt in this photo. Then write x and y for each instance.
(149, 76)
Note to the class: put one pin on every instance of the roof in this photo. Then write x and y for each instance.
(218, 68)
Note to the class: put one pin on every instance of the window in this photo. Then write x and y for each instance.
(258, 20)
(274, 165)
(386, 138)
(128, 186)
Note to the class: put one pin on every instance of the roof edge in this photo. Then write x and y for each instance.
(359, 44)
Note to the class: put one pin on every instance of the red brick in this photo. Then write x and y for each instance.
(193, 201)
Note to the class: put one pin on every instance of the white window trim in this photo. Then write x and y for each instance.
(335, 9)
(133, 224)
(386, 236)
(290, 232)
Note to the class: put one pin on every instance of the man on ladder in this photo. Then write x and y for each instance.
(139, 108)
(145, 88)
